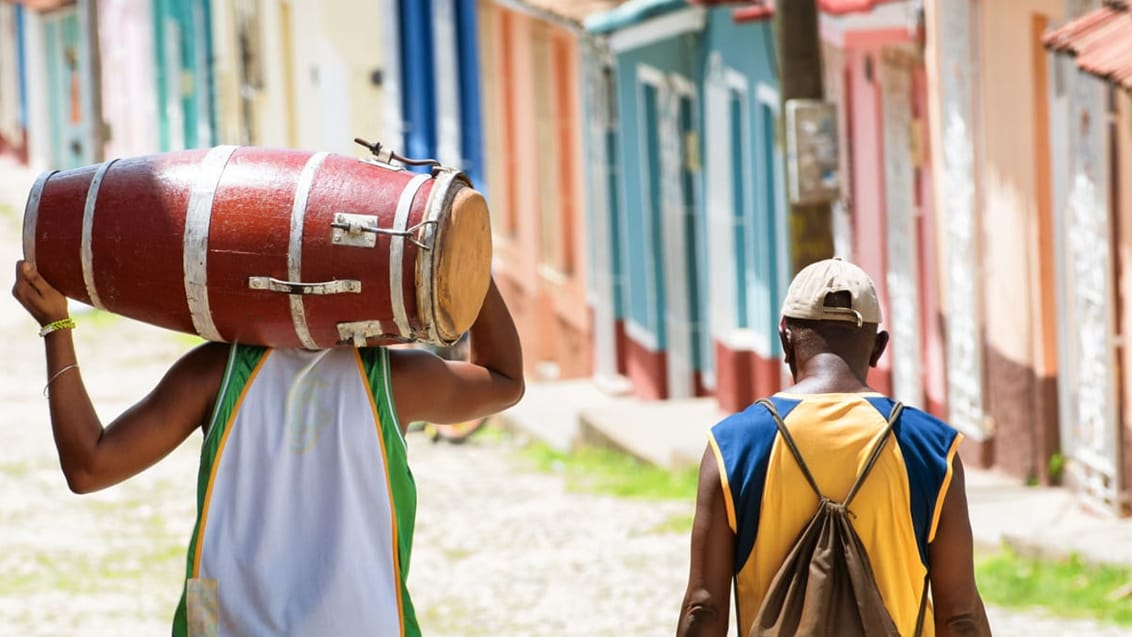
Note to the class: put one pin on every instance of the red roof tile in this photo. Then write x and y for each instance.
(1100, 40)
(762, 9)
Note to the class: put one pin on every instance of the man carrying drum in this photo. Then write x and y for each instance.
(305, 499)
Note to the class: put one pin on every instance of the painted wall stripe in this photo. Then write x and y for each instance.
(31, 214)
(295, 247)
(397, 254)
(197, 220)
(86, 249)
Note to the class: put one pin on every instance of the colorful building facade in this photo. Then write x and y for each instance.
(536, 178)
(1032, 148)
(694, 205)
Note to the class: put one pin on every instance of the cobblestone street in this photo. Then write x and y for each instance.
(500, 549)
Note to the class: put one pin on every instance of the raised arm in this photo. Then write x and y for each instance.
(93, 457)
(959, 610)
(428, 388)
(707, 601)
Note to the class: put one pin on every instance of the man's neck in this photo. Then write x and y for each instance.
(828, 374)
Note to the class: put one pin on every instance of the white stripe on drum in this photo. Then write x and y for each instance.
(197, 220)
(86, 250)
(397, 254)
(295, 247)
(31, 214)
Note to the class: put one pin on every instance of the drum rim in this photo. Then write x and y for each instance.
(31, 213)
(448, 183)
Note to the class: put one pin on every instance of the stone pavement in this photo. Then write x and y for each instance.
(1038, 521)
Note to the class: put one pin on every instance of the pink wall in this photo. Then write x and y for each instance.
(865, 120)
(530, 98)
(867, 185)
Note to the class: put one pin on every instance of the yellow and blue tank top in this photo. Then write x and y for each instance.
(305, 502)
(896, 511)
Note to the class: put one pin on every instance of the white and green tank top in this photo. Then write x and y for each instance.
(305, 502)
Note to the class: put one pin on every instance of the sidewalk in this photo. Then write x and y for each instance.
(1035, 521)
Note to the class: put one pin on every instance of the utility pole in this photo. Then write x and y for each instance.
(810, 225)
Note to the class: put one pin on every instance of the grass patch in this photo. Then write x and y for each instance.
(679, 523)
(1067, 587)
(594, 470)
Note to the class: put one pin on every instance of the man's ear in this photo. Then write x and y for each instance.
(786, 338)
(879, 344)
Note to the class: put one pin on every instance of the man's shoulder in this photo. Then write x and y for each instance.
(922, 421)
(753, 425)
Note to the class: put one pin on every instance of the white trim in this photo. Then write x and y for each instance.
(446, 84)
(295, 247)
(769, 97)
(650, 75)
(766, 94)
(31, 214)
(658, 29)
(562, 22)
(198, 217)
(397, 254)
(641, 335)
(678, 326)
(653, 77)
(86, 250)
(682, 85)
(745, 340)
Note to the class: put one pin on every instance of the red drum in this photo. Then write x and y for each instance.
(272, 247)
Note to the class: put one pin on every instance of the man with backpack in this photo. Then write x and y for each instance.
(830, 507)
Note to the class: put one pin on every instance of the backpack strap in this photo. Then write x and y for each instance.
(792, 445)
(897, 409)
(923, 607)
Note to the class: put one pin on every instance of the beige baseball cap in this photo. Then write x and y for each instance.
(805, 299)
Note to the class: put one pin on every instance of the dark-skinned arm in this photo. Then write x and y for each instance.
(93, 457)
(707, 601)
(425, 387)
(959, 610)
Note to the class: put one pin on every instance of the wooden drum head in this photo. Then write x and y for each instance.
(461, 264)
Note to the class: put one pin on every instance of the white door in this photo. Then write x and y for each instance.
(903, 274)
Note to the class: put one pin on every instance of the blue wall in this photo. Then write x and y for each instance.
(471, 121)
(418, 84)
(21, 65)
(640, 250)
(417, 79)
(749, 48)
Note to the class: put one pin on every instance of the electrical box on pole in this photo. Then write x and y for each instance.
(812, 153)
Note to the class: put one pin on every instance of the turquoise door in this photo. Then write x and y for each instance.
(184, 99)
(68, 85)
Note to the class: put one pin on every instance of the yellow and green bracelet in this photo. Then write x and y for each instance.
(54, 326)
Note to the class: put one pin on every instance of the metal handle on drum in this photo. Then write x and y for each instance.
(269, 284)
(387, 156)
(358, 230)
